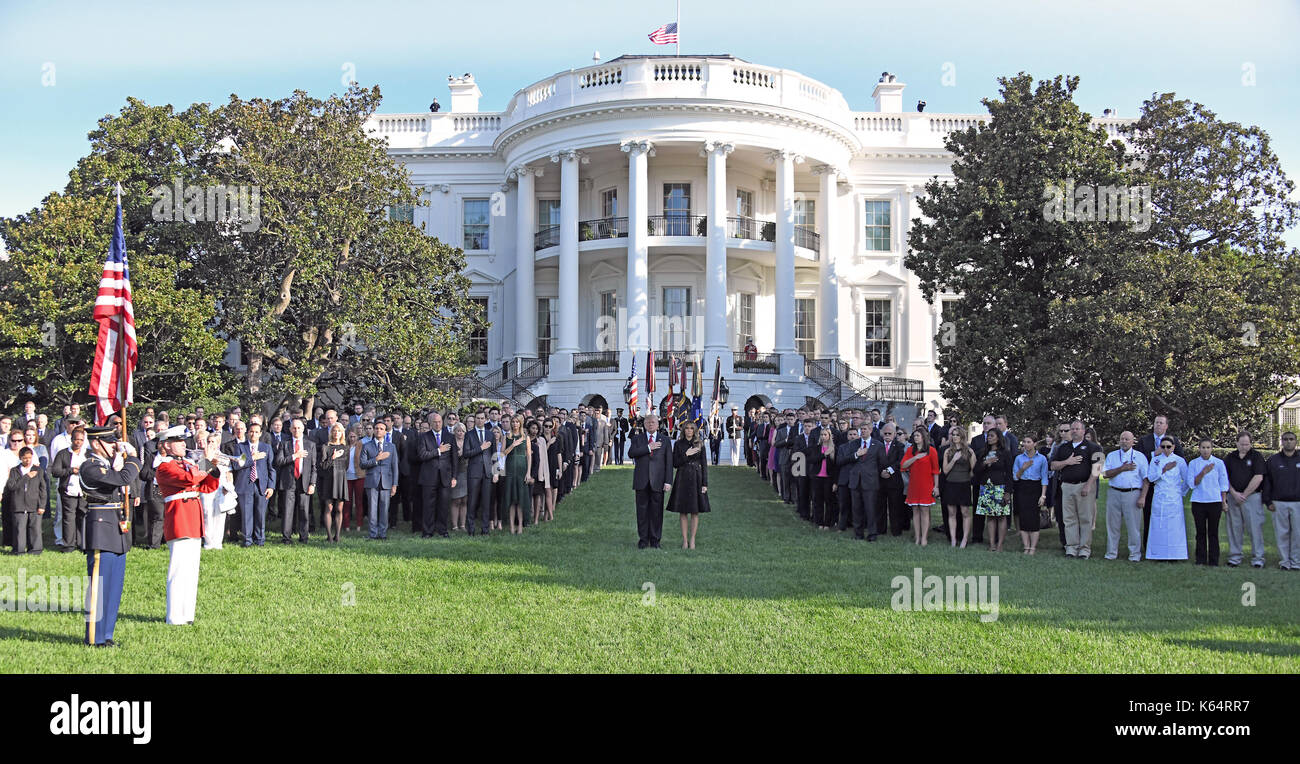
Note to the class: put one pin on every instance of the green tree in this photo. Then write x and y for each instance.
(987, 240)
(47, 293)
(327, 290)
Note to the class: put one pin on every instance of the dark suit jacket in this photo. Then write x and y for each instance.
(26, 494)
(436, 468)
(266, 471)
(651, 470)
(859, 472)
(1148, 446)
(894, 458)
(478, 463)
(402, 442)
(61, 468)
(784, 443)
(284, 464)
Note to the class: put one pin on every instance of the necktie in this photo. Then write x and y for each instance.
(480, 436)
(252, 476)
(297, 463)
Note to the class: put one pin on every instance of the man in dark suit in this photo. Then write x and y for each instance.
(404, 443)
(652, 475)
(65, 468)
(938, 432)
(621, 428)
(296, 466)
(1148, 445)
(151, 497)
(803, 454)
(438, 465)
(480, 446)
(890, 500)
(859, 461)
(254, 481)
(784, 445)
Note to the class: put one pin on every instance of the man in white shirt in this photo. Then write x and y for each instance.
(1126, 470)
(1207, 476)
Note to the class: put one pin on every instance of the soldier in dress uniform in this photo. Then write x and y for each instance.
(180, 482)
(110, 468)
(621, 428)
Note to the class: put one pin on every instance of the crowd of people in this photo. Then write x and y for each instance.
(327, 474)
(197, 480)
(856, 469)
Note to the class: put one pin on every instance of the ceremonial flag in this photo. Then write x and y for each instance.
(632, 403)
(665, 35)
(697, 394)
(672, 400)
(116, 352)
(649, 381)
(717, 390)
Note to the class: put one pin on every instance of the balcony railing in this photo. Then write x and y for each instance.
(806, 237)
(687, 357)
(602, 228)
(595, 363)
(548, 236)
(675, 225)
(749, 228)
(757, 363)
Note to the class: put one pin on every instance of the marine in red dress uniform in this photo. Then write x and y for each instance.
(180, 482)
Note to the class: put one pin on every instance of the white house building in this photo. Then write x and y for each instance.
(687, 203)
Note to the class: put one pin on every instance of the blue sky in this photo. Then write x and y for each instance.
(179, 53)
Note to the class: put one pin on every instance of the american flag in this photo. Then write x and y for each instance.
(664, 35)
(717, 389)
(632, 399)
(116, 352)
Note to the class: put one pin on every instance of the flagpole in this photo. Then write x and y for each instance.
(125, 518)
(679, 27)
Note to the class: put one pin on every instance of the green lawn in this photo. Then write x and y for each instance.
(764, 592)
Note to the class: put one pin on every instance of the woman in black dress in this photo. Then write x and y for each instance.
(691, 483)
(993, 475)
(551, 434)
(333, 480)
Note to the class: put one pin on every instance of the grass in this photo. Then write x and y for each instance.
(764, 592)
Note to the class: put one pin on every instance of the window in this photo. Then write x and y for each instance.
(548, 213)
(878, 352)
(608, 329)
(1290, 418)
(677, 209)
(402, 213)
(676, 323)
(876, 215)
(475, 223)
(805, 213)
(744, 318)
(547, 324)
(744, 203)
(478, 338)
(805, 327)
(609, 203)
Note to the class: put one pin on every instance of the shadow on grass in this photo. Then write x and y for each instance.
(1280, 649)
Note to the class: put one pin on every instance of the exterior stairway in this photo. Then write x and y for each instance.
(839, 385)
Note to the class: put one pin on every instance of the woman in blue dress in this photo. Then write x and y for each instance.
(1167, 539)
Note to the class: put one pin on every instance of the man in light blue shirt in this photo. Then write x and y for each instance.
(1125, 471)
(1207, 476)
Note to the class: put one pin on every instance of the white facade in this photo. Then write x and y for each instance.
(641, 187)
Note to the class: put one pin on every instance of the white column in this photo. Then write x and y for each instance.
(920, 337)
(828, 295)
(525, 291)
(637, 299)
(715, 253)
(568, 307)
(784, 317)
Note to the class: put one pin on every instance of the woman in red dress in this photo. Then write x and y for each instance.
(921, 463)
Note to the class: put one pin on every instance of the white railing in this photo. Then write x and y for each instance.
(752, 77)
(878, 123)
(678, 72)
(402, 123)
(599, 77)
(475, 123)
(539, 93)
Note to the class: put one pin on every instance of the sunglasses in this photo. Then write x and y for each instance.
(1167, 446)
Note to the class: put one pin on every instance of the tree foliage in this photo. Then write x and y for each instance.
(1192, 316)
